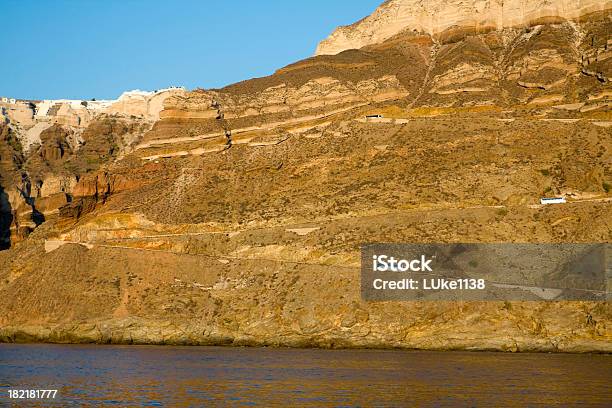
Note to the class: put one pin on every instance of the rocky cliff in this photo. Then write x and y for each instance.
(47, 146)
(445, 18)
(236, 215)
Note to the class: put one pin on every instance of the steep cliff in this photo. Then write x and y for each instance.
(445, 18)
(237, 216)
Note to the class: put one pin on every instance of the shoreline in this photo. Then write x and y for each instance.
(282, 347)
(60, 336)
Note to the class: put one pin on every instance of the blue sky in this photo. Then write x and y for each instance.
(97, 49)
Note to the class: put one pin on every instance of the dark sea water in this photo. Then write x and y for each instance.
(211, 376)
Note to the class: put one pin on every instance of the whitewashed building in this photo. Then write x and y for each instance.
(553, 200)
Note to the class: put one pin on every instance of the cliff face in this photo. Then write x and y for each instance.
(236, 217)
(47, 146)
(443, 18)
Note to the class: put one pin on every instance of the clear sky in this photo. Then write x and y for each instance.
(97, 49)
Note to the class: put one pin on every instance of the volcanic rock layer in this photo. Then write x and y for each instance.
(444, 19)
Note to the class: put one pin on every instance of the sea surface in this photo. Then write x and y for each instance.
(123, 376)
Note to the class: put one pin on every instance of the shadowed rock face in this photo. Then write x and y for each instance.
(237, 217)
(6, 220)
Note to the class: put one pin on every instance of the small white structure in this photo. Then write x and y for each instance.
(554, 200)
(4, 99)
(375, 116)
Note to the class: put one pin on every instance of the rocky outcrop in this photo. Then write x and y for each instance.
(31, 118)
(324, 93)
(444, 18)
(49, 176)
(17, 112)
(142, 103)
(266, 117)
